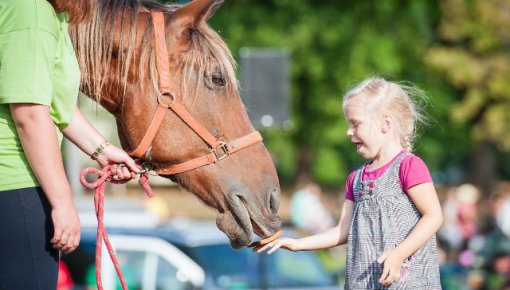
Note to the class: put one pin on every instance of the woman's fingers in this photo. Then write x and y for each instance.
(131, 164)
(72, 244)
(121, 171)
(66, 225)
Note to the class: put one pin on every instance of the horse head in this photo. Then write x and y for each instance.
(118, 57)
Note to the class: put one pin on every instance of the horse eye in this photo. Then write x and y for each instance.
(218, 80)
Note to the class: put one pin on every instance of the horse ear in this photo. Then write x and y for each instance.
(194, 13)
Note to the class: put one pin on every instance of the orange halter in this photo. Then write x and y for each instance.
(166, 100)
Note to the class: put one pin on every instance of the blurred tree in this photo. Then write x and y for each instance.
(334, 45)
(474, 55)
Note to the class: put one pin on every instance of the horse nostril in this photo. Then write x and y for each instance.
(274, 201)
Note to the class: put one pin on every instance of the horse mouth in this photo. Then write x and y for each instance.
(242, 222)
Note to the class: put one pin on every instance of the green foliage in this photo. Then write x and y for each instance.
(474, 55)
(334, 45)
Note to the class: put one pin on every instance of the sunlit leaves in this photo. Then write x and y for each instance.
(475, 57)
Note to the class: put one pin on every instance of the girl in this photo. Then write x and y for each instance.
(391, 210)
(39, 81)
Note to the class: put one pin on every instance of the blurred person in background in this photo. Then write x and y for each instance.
(391, 211)
(39, 82)
(490, 268)
(307, 210)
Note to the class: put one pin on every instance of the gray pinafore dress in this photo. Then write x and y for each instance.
(384, 216)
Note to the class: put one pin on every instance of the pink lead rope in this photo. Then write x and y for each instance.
(99, 186)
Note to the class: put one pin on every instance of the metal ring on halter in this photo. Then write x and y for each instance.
(166, 95)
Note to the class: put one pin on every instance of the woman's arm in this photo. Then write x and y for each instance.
(425, 198)
(40, 143)
(87, 138)
(329, 238)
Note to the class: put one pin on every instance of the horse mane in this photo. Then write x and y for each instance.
(94, 43)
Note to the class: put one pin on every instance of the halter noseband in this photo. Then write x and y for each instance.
(166, 100)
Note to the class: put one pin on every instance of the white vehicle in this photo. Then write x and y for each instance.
(148, 263)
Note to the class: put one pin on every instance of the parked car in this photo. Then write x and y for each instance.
(225, 268)
(148, 263)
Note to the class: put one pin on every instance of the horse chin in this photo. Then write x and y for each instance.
(241, 222)
(238, 229)
(236, 222)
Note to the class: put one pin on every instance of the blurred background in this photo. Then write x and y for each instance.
(297, 58)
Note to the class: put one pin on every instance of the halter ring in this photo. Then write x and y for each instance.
(169, 97)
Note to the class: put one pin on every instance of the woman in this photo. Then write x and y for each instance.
(39, 81)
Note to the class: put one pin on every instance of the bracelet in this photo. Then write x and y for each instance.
(99, 150)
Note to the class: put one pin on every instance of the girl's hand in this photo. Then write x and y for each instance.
(123, 165)
(391, 269)
(286, 243)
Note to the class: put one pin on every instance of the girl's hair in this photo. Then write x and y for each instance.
(399, 100)
(78, 10)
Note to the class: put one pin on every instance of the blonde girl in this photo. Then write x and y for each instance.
(391, 210)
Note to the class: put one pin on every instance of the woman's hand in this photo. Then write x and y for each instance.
(392, 263)
(285, 243)
(66, 225)
(123, 166)
(87, 138)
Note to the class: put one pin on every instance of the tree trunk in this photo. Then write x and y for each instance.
(303, 172)
(483, 168)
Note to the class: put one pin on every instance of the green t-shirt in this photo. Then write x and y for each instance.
(37, 65)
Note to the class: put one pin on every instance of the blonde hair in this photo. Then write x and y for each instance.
(398, 100)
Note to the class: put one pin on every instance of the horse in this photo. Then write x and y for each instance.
(176, 71)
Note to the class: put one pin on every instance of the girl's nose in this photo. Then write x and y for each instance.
(349, 132)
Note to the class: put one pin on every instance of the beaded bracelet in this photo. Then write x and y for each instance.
(99, 150)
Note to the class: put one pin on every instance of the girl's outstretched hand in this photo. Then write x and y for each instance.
(392, 264)
(285, 243)
(123, 165)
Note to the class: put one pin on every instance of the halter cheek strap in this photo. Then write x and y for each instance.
(167, 101)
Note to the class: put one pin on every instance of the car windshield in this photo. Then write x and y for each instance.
(241, 269)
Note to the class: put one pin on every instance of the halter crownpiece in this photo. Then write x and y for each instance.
(219, 149)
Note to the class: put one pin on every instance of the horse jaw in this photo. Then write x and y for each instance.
(241, 221)
(239, 216)
(236, 224)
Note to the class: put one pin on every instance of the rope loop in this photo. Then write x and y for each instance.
(99, 186)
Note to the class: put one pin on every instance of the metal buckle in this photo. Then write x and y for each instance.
(146, 166)
(224, 151)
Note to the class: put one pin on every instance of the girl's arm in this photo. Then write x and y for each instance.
(425, 198)
(87, 138)
(40, 143)
(332, 237)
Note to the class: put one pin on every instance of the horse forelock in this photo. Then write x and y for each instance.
(95, 40)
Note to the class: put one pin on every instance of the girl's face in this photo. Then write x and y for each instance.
(364, 129)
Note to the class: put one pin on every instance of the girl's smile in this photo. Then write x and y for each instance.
(361, 130)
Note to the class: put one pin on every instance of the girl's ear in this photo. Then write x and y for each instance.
(387, 123)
